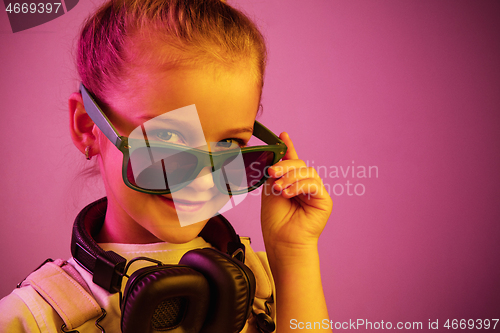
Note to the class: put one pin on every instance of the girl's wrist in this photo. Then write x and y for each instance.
(291, 255)
(292, 268)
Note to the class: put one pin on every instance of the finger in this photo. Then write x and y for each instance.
(294, 176)
(310, 187)
(282, 167)
(291, 154)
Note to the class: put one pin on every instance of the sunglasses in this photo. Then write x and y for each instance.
(158, 167)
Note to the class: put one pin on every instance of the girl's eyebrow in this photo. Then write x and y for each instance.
(239, 130)
(185, 122)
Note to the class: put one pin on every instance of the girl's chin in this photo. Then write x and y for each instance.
(178, 234)
(191, 212)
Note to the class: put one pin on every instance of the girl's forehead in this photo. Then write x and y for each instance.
(186, 123)
(222, 98)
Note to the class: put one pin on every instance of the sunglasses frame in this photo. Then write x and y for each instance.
(124, 144)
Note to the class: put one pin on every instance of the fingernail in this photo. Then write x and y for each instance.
(279, 182)
(276, 170)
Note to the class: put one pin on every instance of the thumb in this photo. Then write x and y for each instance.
(291, 154)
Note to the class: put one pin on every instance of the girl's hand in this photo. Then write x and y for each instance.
(295, 206)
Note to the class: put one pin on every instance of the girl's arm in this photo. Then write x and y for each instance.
(295, 209)
(300, 302)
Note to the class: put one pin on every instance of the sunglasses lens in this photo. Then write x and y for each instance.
(237, 176)
(162, 169)
(165, 169)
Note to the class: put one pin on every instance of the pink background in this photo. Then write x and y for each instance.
(411, 87)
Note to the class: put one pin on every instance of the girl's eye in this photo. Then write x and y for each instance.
(169, 136)
(230, 144)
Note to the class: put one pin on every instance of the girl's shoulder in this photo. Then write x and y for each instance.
(24, 310)
(47, 299)
(58, 293)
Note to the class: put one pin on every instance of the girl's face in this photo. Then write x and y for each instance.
(226, 101)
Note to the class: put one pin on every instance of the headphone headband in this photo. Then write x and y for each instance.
(107, 267)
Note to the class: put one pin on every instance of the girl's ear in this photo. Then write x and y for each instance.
(81, 126)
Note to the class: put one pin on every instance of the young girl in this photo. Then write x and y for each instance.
(198, 64)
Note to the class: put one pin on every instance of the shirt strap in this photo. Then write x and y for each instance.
(72, 302)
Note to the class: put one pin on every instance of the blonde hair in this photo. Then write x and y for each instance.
(192, 32)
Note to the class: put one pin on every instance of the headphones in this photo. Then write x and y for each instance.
(209, 291)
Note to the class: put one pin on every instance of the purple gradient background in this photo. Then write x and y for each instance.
(412, 87)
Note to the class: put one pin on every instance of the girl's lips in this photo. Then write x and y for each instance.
(184, 205)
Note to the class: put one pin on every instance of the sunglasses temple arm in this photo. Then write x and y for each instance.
(99, 118)
(263, 133)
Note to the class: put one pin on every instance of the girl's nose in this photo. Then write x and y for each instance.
(204, 181)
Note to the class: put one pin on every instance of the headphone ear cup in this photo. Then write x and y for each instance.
(165, 298)
(232, 289)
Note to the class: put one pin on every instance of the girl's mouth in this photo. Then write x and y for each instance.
(183, 205)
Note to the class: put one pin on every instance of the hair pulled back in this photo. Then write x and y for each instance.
(187, 32)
